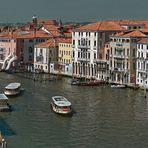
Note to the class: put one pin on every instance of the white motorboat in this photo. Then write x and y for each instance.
(61, 105)
(12, 89)
(118, 86)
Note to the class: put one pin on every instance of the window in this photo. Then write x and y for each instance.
(89, 55)
(30, 40)
(111, 50)
(78, 54)
(127, 65)
(89, 43)
(30, 58)
(127, 40)
(94, 55)
(95, 33)
(78, 42)
(30, 50)
(41, 52)
(127, 51)
(94, 43)
(101, 34)
(142, 55)
(134, 52)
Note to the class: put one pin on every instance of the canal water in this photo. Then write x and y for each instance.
(104, 117)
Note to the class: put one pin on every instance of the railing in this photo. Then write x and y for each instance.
(118, 69)
(119, 56)
(84, 46)
(84, 59)
(100, 61)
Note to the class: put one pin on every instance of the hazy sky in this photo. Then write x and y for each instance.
(72, 10)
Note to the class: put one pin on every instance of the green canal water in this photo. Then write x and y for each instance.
(104, 117)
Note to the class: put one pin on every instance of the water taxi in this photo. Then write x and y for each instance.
(61, 105)
(12, 89)
(4, 106)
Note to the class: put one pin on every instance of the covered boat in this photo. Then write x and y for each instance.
(12, 89)
(61, 105)
(4, 105)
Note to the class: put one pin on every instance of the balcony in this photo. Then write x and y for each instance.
(119, 56)
(119, 44)
(99, 61)
(83, 47)
(83, 60)
(119, 49)
(119, 69)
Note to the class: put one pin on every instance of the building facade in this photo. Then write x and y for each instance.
(142, 63)
(87, 41)
(123, 49)
(65, 56)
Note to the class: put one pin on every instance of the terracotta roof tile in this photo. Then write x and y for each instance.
(103, 26)
(143, 40)
(53, 42)
(135, 33)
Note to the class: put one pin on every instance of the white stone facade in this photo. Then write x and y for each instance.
(41, 59)
(142, 65)
(85, 48)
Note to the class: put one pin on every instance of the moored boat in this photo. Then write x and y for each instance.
(118, 86)
(4, 105)
(74, 82)
(12, 89)
(61, 105)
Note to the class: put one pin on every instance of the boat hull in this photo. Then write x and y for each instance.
(61, 111)
(8, 93)
(12, 89)
(5, 109)
(118, 86)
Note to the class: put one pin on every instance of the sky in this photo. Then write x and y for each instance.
(12, 11)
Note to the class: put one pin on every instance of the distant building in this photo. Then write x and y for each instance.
(123, 50)
(44, 54)
(65, 56)
(87, 41)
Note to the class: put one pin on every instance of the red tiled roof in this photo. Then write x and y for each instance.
(51, 27)
(66, 40)
(143, 40)
(52, 42)
(119, 34)
(32, 34)
(135, 33)
(103, 26)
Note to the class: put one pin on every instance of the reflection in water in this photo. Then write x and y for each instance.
(5, 129)
(104, 118)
